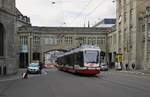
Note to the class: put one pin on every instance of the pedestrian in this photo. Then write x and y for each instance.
(126, 65)
(25, 75)
(121, 65)
(133, 66)
(41, 66)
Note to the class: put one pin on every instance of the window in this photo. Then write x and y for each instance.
(92, 40)
(114, 39)
(23, 40)
(1, 40)
(131, 15)
(36, 40)
(148, 27)
(79, 58)
(143, 28)
(51, 40)
(99, 41)
(125, 17)
(91, 56)
(68, 40)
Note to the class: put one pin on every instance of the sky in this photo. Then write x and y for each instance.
(66, 13)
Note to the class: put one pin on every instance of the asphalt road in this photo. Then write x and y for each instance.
(61, 84)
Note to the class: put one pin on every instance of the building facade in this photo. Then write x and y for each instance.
(7, 37)
(131, 31)
(39, 40)
(112, 47)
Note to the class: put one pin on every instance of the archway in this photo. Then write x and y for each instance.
(51, 55)
(1, 40)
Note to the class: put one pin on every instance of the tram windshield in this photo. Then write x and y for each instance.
(91, 56)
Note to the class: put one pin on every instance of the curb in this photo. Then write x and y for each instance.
(135, 72)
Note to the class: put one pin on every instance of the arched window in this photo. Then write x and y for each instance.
(1, 40)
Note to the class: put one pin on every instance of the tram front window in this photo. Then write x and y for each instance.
(91, 57)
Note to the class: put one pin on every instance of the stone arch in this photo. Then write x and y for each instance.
(2, 39)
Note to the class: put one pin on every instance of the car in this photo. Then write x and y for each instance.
(33, 68)
(118, 66)
(103, 67)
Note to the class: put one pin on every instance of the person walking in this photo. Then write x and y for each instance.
(133, 66)
(126, 65)
(41, 66)
(25, 75)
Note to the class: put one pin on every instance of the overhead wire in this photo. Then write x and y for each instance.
(80, 13)
(98, 5)
(91, 12)
(140, 4)
(94, 9)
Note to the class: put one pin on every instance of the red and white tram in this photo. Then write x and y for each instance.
(83, 60)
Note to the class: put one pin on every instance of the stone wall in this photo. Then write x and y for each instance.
(7, 19)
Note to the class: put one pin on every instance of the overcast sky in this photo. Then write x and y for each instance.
(66, 12)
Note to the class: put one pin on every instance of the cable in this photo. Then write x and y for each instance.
(98, 5)
(80, 13)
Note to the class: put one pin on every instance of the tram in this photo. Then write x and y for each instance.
(82, 60)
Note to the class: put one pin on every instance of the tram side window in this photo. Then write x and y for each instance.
(79, 58)
(64, 60)
(71, 59)
(68, 60)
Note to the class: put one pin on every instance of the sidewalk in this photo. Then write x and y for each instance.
(143, 72)
(16, 76)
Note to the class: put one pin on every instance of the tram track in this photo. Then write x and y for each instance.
(102, 81)
(99, 80)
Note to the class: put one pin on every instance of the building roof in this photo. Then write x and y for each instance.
(107, 22)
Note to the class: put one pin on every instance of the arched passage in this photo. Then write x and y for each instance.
(51, 55)
(1, 40)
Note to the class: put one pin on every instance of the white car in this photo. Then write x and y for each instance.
(103, 67)
(33, 68)
(118, 66)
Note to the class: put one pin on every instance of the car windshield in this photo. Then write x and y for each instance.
(91, 56)
(33, 65)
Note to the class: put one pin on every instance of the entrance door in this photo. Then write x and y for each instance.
(23, 60)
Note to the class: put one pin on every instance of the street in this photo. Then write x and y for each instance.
(56, 83)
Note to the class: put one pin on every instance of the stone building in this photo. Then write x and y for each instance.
(21, 20)
(112, 46)
(36, 41)
(7, 37)
(131, 37)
